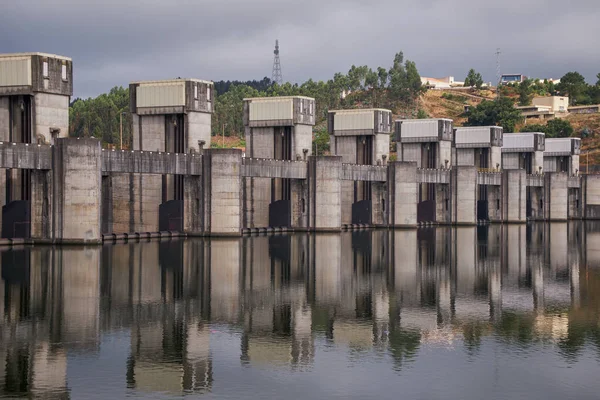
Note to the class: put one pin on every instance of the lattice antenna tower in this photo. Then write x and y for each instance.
(498, 66)
(276, 76)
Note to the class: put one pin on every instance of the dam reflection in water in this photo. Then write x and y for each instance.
(275, 316)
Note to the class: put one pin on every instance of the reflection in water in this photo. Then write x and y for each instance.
(198, 316)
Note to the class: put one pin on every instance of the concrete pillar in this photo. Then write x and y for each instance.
(514, 185)
(378, 204)
(222, 195)
(41, 204)
(77, 190)
(324, 182)
(403, 192)
(494, 199)
(192, 205)
(464, 195)
(575, 203)
(299, 201)
(556, 196)
(591, 196)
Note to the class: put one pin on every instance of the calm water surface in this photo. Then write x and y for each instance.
(462, 313)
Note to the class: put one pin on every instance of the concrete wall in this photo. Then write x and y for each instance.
(198, 127)
(381, 148)
(222, 192)
(464, 190)
(514, 196)
(445, 153)
(538, 162)
(347, 199)
(591, 196)
(345, 147)
(402, 194)
(148, 132)
(494, 203)
(378, 204)
(260, 143)
(409, 152)
(302, 140)
(496, 157)
(4, 119)
(324, 193)
(50, 111)
(77, 189)
(257, 197)
(510, 161)
(41, 203)
(465, 157)
(556, 196)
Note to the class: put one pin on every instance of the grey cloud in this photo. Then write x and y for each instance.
(114, 42)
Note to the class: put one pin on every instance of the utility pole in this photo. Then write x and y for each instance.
(121, 129)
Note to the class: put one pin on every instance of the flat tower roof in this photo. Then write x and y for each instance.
(172, 81)
(8, 55)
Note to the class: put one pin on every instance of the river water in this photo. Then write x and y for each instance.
(492, 312)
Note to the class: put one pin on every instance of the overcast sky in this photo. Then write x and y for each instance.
(115, 42)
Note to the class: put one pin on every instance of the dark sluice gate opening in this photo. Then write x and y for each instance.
(170, 216)
(483, 210)
(16, 220)
(361, 212)
(280, 213)
(426, 211)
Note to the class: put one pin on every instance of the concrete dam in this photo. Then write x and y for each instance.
(56, 189)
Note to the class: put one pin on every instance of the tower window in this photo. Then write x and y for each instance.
(196, 92)
(45, 69)
(63, 72)
(208, 93)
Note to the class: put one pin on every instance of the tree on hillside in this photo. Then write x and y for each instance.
(405, 81)
(573, 84)
(598, 77)
(555, 128)
(533, 128)
(525, 92)
(500, 112)
(558, 128)
(473, 79)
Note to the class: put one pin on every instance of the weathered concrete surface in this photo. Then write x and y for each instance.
(535, 180)
(269, 168)
(25, 156)
(41, 203)
(325, 193)
(257, 197)
(77, 190)
(381, 148)
(302, 140)
(299, 202)
(494, 199)
(403, 192)
(371, 173)
(222, 192)
(192, 205)
(489, 178)
(556, 196)
(198, 128)
(464, 191)
(149, 162)
(148, 132)
(433, 175)
(514, 196)
(50, 111)
(591, 196)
